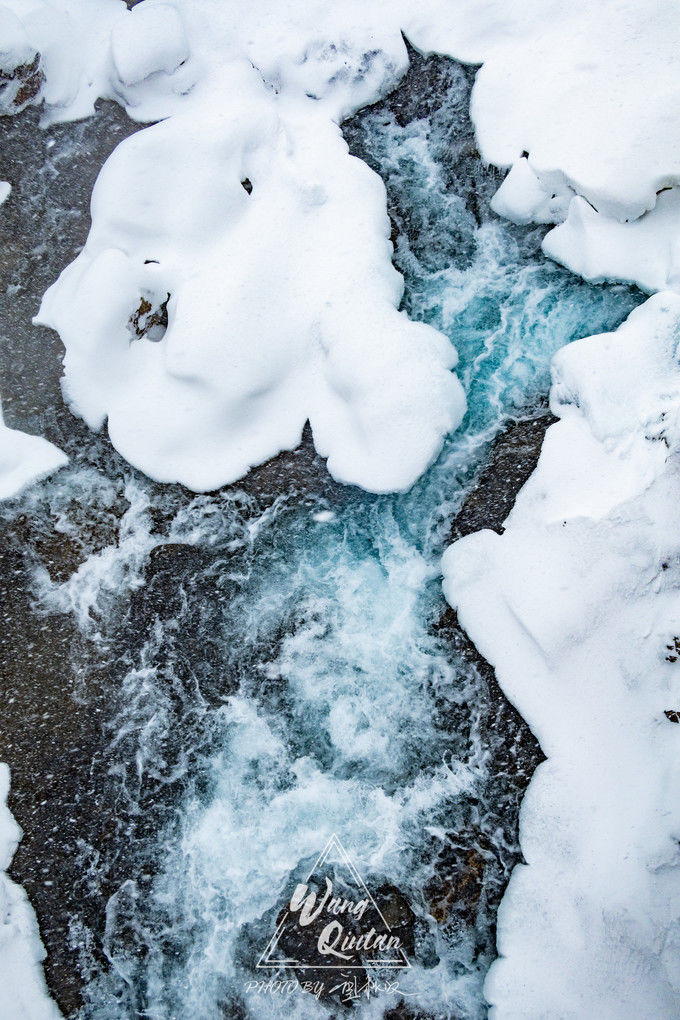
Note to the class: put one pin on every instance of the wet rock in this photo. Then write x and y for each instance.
(512, 460)
(402, 1011)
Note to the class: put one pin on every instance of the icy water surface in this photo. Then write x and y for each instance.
(216, 684)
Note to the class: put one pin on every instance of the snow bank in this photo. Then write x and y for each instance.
(23, 995)
(25, 458)
(576, 606)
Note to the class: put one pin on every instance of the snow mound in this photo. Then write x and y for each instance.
(524, 198)
(236, 282)
(576, 606)
(645, 251)
(588, 90)
(23, 995)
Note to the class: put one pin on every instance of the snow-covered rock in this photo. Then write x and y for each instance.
(377, 389)
(21, 77)
(577, 607)
(151, 40)
(237, 281)
(270, 246)
(589, 90)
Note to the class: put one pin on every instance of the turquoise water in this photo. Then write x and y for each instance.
(275, 669)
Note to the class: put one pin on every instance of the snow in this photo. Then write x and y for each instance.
(576, 607)
(23, 993)
(645, 251)
(588, 90)
(225, 390)
(15, 48)
(149, 41)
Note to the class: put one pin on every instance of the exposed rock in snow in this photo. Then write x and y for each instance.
(576, 606)
(23, 995)
(523, 198)
(645, 251)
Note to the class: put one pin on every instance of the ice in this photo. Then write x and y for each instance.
(645, 251)
(23, 995)
(576, 606)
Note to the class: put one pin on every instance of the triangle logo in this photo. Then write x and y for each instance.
(332, 922)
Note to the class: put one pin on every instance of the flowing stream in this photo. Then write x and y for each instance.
(201, 690)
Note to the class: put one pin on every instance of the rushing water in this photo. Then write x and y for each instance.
(253, 670)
